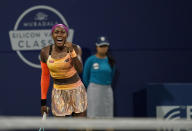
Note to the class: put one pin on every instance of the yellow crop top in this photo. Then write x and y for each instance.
(61, 68)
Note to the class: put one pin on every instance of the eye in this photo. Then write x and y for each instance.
(56, 31)
(63, 32)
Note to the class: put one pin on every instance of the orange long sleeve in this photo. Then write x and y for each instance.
(45, 80)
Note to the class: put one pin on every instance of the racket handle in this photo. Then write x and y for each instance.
(44, 116)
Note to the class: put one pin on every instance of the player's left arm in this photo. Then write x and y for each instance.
(76, 58)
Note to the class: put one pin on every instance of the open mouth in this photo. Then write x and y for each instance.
(59, 40)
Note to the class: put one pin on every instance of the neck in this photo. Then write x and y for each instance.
(59, 49)
(101, 55)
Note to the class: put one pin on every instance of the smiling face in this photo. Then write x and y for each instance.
(59, 36)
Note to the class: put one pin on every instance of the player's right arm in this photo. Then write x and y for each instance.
(45, 79)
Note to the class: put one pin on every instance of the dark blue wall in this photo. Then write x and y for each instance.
(150, 40)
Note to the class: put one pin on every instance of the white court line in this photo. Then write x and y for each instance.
(82, 123)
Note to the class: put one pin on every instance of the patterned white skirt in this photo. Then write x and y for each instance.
(67, 101)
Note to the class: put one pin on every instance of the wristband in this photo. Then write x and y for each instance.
(43, 102)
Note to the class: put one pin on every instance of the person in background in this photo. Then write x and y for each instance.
(99, 70)
(62, 61)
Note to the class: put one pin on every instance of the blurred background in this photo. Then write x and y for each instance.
(150, 41)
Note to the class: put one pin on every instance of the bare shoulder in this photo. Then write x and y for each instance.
(44, 53)
(45, 49)
(74, 45)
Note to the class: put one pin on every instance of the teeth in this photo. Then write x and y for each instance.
(59, 38)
